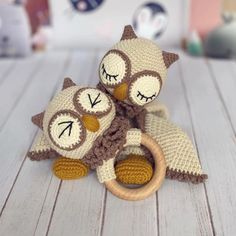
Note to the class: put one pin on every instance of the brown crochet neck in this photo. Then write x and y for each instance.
(109, 144)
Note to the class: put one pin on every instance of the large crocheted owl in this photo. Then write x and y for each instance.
(133, 72)
(80, 129)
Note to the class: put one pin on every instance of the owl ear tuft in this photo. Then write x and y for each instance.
(128, 33)
(169, 58)
(38, 120)
(68, 83)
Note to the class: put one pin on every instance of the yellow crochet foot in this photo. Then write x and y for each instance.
(135, 169)
(66, 168)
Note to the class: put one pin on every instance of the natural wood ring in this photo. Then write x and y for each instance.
(153, 185)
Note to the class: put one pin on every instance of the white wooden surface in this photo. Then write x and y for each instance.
(201, 97)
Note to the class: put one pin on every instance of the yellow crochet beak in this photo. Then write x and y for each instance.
(121, 92)
(91, 123)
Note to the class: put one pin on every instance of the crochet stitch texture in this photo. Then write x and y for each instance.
(139, 68)
(134, 169)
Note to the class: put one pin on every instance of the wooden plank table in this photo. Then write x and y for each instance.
(201, 97)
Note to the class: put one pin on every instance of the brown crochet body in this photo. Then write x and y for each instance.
(135, 114)
(107, 145)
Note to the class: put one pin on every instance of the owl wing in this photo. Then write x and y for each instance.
(41, 149)
(158, 109)
(181, 158)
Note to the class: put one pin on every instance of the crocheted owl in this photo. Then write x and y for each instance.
(80, 128)
(133, 72)
(78, 125)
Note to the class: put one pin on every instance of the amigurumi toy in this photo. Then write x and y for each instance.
(133, 73)
(81, 130)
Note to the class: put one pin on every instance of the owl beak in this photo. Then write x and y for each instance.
(121, 92)
(91, 123)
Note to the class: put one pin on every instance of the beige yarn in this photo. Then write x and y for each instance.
(134, 71)
(41, 149)
(158, 109)
(64, 101)
(106, 171)
(116, 66)
(177, 147)
(133, 137)
(40, 144)
(130, 150)
(149, 55)
(155, 107)
(148, 84)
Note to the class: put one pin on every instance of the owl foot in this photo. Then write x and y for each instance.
(135, 169)
(68, 169)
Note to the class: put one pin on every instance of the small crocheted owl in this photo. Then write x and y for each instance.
(133, 73)
(79, 127)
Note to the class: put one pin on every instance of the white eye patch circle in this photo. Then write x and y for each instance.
(113, 69)
(92, 101)
(66, 130)
(144, 89)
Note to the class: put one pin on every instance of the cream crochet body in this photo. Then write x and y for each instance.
(181, 157)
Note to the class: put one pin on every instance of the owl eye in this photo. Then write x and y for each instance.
(92, 101)
(114, 68)
(66, 130)
(144, 88)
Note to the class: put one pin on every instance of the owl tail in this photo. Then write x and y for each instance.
(41, 150)
(181, 158)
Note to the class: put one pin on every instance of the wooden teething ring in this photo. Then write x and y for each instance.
(153, 185)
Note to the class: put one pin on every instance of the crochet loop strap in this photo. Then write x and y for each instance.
(159, 173)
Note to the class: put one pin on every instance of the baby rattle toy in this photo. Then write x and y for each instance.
(133, 73)
(81, 130)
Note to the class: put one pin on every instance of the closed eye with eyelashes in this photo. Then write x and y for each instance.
(144, 88)
(91, 101)
(114, 68)
(107, 75)
(141, 96)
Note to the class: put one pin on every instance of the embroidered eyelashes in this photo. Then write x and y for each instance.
(144, 88)
(107, 75)
(68, 127)
(142, 96)
(114, 68)
(92, 101)
(66, 130)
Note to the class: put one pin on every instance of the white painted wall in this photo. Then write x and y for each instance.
(103, 27)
